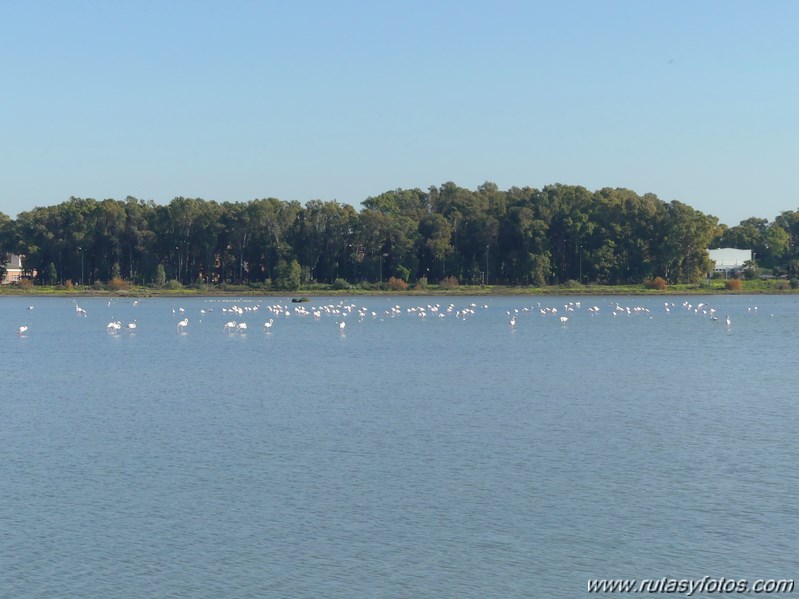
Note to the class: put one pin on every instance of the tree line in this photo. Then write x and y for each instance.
(520, 236)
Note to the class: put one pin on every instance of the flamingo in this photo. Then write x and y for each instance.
(341, 326)
(230, 326)
(241, 327)
(183, 324)
(114, 326)
(512, 322)
(268, 325)
(22, 330)
(132, 326)
(564, 319)
(728, 321)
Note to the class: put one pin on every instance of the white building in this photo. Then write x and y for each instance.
(730, 261)
(13, 266)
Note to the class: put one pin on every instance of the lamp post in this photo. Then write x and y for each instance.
(382, 255)
(177, 249)
(80, 247)
(581, 264)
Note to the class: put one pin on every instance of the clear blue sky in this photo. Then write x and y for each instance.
(300, 100)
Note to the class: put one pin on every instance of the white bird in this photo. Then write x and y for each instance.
(268, 325)
(113, 327)
(563, 319)
(728, 321)
(241, 327)
(341, 326)
(132, 326)
(512, 322)
(230, 326)
(182, 324)
(22, 330)
(30, 307)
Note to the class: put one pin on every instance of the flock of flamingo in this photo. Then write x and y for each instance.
(345, 309)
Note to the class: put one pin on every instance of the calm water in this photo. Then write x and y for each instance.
(410, 457)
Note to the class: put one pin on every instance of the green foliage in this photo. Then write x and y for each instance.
(289, 275)
(794, 283)
(160, 276)
(421, 283)
(174, 285)
(539, 269)
(51, 275)
(559, 234)
(402, 273)
(340, 284)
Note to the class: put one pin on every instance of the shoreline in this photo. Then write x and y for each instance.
(592, 290)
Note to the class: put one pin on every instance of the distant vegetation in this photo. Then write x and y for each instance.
(733, 284)
(447, 236)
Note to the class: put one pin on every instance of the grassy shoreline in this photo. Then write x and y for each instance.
(712, 288)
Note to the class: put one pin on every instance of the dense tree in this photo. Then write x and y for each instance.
(519, 236)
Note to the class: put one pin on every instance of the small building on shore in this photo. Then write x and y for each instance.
(12, 264)
(729, 261)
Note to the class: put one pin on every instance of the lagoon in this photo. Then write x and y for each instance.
(432, 456)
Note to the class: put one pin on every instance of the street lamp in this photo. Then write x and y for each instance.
(382, 255)
(486, 264)
(80, 247)
(581, 264)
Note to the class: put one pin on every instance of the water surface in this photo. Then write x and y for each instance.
(452, 456)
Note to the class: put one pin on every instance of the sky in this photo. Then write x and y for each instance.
(300, 100)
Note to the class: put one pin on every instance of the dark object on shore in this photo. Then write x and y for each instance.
(299, 300)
